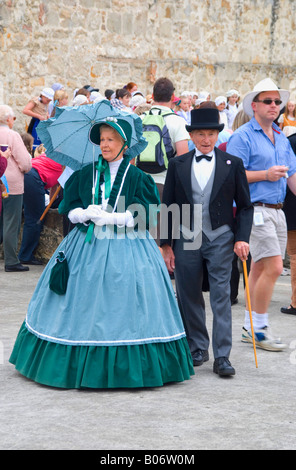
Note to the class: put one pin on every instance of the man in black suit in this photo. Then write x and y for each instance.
(203, 184)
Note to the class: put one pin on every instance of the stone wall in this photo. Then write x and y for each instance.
(199, 44)
(51, 235)
(50, 238)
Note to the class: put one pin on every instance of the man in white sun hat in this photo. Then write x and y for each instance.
(270, 165)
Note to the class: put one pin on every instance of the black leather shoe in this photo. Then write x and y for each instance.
(33, 261)
(199, 357)
(223, 367)
(291, 310)
(14, 268)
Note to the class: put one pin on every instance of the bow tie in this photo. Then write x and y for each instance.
(198, 158)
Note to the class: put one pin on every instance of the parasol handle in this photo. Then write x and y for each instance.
(50, 204)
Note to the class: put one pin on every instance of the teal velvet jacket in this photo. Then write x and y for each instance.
(135, 188)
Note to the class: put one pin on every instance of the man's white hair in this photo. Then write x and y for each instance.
(5, 112)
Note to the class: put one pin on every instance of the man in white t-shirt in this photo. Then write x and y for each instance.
(163, 95)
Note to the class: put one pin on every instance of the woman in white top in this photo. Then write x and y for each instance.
(184, 109)
(221, 102)
(232, 106)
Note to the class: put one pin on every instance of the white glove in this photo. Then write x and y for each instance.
(114, 218)
(81, 216)
(129, 220)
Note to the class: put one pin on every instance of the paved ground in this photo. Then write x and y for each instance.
(255, 409)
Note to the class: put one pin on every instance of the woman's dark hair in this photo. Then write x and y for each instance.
(28, 140)
(121, 92)
(108, 93)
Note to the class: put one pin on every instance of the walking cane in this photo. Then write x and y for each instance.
(50, 204)
(249, 306)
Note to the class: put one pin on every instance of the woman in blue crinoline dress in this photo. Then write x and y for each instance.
(117, 324)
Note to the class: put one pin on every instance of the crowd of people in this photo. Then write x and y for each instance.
(233, 165)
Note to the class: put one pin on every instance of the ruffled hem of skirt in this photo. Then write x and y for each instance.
(63, 366)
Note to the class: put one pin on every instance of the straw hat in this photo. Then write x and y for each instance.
(264, 85)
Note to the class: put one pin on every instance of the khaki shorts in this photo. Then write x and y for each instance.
(269, 239)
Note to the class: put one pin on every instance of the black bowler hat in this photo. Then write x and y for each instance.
(205, 118)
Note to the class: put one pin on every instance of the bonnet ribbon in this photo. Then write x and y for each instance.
(103, 171)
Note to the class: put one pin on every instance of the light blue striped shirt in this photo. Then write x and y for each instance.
(251, 144)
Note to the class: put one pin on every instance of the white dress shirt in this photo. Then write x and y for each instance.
(203, 169)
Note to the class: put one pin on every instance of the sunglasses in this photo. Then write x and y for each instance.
(268, 101)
